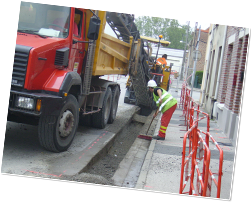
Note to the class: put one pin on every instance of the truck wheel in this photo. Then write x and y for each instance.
(114, 106)
(100, 119)
(57, 133)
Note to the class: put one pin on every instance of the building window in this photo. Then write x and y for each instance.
(210, 72)
(217, 70)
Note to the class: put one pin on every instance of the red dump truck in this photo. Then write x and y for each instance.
(60, 54)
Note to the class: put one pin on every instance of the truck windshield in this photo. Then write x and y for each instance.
(44, 20)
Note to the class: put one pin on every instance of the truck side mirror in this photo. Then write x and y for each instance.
(93, 28)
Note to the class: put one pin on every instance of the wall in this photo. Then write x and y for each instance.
(224, 76)
(231, 80)
(214, 65)
(202, 49)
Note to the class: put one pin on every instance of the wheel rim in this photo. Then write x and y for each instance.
(66, 124)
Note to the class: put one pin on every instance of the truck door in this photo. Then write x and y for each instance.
(78, 52)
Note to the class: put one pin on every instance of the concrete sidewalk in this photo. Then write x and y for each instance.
(161, 169)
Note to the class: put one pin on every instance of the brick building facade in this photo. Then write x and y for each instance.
(202, 48)
(232, 77)
(233, 69)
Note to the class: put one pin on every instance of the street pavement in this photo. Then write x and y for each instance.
(161, 169)
(158, 166)
(22, 154)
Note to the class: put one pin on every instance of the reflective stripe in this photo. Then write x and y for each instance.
(163, 131)
(162, 97)
(163, 127)
(163, 104)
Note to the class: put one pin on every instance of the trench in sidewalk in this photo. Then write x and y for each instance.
(109, 161)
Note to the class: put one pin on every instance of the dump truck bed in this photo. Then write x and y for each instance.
(112, 56)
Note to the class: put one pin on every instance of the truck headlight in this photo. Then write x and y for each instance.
(25, 102)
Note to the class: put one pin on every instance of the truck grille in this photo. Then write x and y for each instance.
(20, 65)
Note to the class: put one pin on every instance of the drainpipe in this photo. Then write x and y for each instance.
(207, 68)
(220, 65)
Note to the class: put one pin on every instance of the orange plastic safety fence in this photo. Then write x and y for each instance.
(198, 154)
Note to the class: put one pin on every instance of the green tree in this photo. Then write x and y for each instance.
(170, 29)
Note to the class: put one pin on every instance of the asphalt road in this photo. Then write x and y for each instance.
(23, 154)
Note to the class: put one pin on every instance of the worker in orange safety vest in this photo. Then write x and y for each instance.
(159, 68)
(162, 60)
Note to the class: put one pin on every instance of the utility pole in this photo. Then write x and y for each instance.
(184, 55)
(195, 62)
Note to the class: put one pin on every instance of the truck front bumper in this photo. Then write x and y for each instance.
(23, 104)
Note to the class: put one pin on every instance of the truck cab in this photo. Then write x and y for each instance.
(60, 56)
(46, 86)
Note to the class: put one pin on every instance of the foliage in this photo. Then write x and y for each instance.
(170, 29)
(200, 76)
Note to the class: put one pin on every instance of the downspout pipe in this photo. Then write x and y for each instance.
(220, 66)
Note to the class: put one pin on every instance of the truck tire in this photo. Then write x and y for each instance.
(57, 133)
(100, 119)
(114, 106)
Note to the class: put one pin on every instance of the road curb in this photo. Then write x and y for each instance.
(130, 167)
(145, 168)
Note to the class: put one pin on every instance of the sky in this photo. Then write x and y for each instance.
(203, 14)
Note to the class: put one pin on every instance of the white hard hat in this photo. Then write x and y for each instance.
(151, 83)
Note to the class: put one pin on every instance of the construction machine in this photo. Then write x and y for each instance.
(60, 55)
(153, 70)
